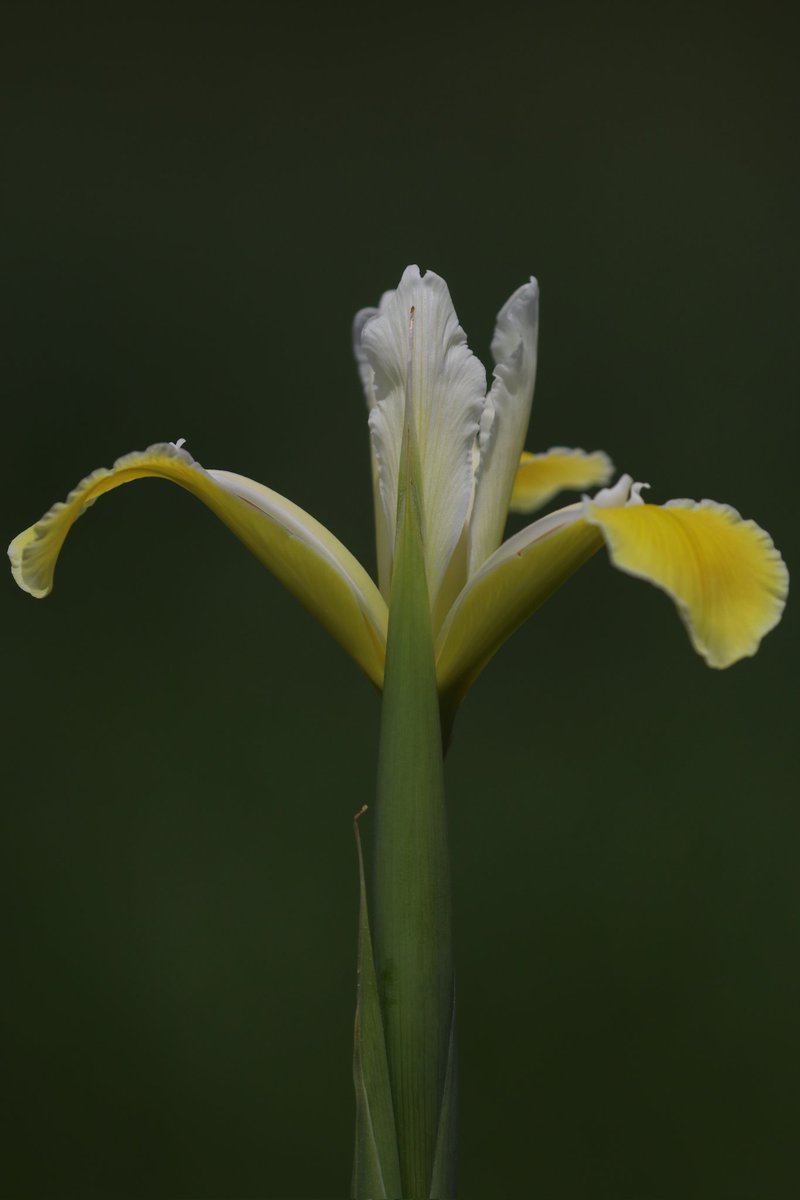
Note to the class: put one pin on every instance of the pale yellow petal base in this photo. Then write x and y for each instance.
(510, 586)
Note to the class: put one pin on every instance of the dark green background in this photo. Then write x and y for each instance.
(195, 202)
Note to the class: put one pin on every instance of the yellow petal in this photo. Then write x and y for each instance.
(728, 581)
(503, 593)
(308, 560)
(542, 476)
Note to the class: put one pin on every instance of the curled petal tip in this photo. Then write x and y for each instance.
(20, 569)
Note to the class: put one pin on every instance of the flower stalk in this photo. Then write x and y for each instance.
(411, 903)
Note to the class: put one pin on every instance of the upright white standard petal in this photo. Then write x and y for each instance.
(365, 371)
(505, 418)
(418, 352)
(384, 540)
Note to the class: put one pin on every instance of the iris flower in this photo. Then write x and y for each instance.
(447, 465)
(727, 580)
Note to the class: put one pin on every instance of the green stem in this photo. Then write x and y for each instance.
(411, 876)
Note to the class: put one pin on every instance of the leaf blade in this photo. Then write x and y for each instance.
(376, 1165)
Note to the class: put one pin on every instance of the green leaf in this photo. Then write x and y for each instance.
(376, 1167)
(443, 1181)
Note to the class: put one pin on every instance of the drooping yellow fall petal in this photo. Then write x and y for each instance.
(540, 477)
(511, 585)
(728, 581)
(308, 560)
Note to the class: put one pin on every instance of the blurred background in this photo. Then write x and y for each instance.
(195, 202)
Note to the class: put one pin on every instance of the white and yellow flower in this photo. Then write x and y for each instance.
(723, 573)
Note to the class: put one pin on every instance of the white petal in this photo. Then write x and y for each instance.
(445, 385)
(365, 372)
(504, 423)
(383, 545)
(613, 497)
